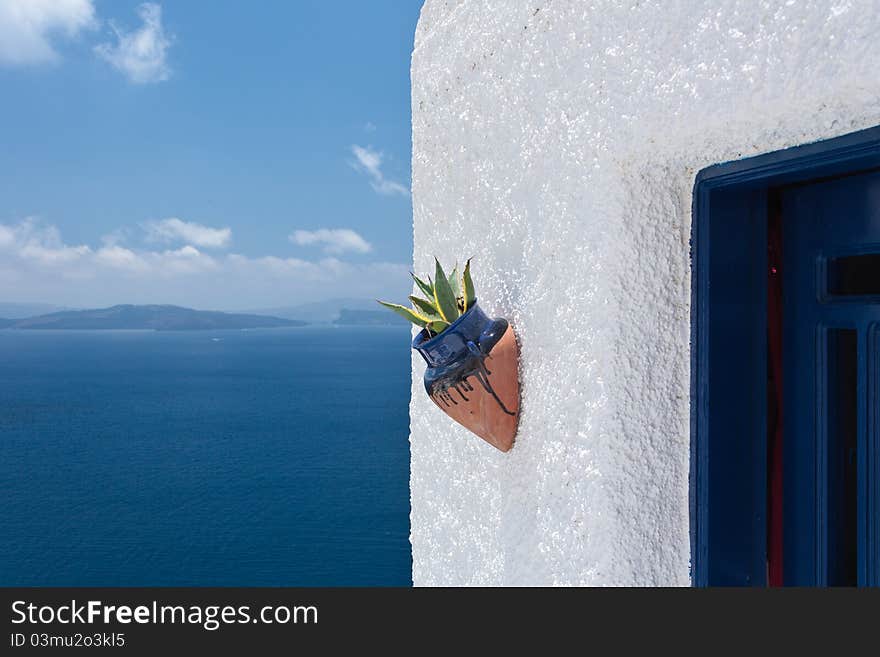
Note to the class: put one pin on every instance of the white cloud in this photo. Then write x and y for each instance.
(161, 264)
(334, 240)
(189, 232)
(185, 252)
(120, 258)
(185, 260)
(32, 242)
(140, 54)
(48, 255)
(369, 126)
(370, 163)
(7, 236)
(27, 27)
(37, 265)
(117, 236)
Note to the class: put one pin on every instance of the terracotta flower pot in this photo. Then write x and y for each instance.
(473, 375)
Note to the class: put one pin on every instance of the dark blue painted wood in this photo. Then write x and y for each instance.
(737, 448)
(718, 196)
(869, 468)
(821, 221)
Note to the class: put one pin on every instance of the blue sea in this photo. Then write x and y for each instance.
(206, 458)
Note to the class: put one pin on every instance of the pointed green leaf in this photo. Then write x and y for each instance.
(427, 290)
(425, 307)
(408, 313)
(438, 326)
(468, 284)
(455, 282)
(444, 299)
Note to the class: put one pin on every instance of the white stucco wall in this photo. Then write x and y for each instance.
(558, 142)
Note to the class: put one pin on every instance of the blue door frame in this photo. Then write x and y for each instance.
(729, 360)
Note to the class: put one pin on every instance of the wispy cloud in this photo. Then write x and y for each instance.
(369, 126)
(118, 236)
(140, 54)
(333, 240)
(28, 27)
(36, 263)
(188, 232)
(41, 244)
(113, 255)
(369, 162)
(185, 260)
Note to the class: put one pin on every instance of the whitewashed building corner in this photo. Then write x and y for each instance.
(558, 143)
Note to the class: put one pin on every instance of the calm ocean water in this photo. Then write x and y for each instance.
(270, 457)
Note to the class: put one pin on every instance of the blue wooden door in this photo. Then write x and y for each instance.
(831, 362)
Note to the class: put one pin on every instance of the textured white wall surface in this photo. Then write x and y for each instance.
(558, 142)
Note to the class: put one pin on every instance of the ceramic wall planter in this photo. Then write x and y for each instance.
(473, 375)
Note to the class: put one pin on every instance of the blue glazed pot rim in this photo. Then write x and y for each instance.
(421, 341)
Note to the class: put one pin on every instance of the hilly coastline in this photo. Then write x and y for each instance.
(155, 317)
(349, 317)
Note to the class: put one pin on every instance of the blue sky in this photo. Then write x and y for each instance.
(218, 155)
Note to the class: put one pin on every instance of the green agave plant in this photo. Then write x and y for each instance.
(448, 297)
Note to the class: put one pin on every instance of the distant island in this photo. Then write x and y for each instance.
(349, 317)
(326, 311)
(156, 317)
